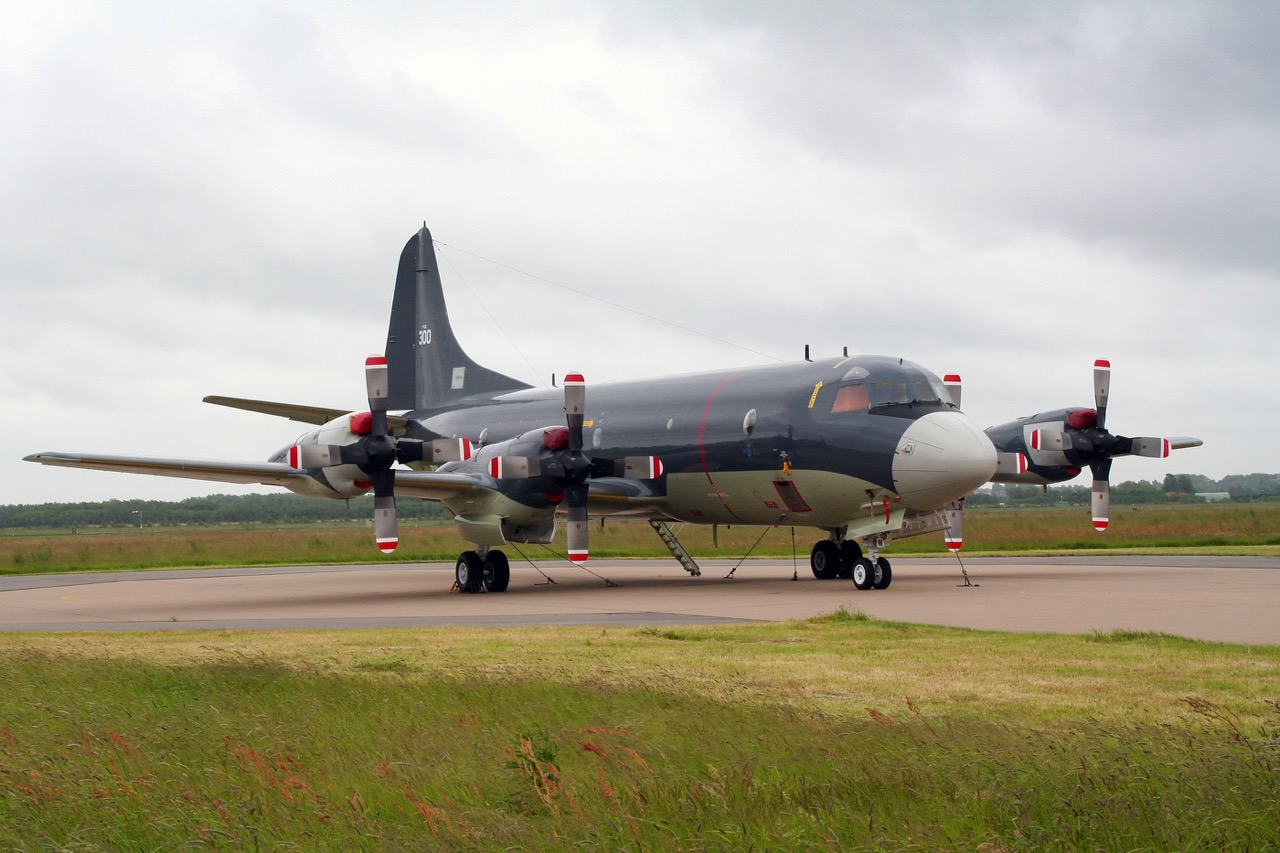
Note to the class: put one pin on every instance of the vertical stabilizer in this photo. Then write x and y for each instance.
(427, 366)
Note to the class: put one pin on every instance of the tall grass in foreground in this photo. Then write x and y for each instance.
(1216, 526)
(636, 740)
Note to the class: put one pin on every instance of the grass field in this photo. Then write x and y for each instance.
(836, 733)
(1222, 529)
(839, 733)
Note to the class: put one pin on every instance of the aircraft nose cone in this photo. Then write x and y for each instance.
(941, 457)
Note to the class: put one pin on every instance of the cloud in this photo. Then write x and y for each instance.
(211, 201)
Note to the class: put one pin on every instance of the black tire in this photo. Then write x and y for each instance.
(883, 574)
(468, 572)
(496, 572)
(864, 572)
(850, 553)
(824, 560)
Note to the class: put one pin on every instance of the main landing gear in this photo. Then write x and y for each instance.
(486, 569)
(830, 559)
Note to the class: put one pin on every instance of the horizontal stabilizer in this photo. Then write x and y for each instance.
(292, 411)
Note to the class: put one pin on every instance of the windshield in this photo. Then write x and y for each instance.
(898, 392)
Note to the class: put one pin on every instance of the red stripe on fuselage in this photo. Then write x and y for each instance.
(702, 450)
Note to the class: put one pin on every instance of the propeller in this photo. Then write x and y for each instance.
(1087, 441)
(376, 452)
(570, 469)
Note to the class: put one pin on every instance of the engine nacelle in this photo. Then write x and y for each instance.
(341, 481)
(1046, 462)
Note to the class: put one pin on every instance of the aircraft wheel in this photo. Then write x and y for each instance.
(850, 553)
(496, 572)
(883, 574)
(863, 573)
(824, 560)
(468, 572)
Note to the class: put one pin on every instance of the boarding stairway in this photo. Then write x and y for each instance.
(673, 545)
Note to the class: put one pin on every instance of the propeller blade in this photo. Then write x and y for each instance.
(954, 535)
(1049, 439)
(638, 467)
(375, 380)
(1101, 493)
(439, 451)
(1011, 463)
(385, 532)
(576, 530)
(315, 455)
(575, 404)
(451, 450)
(514, 467)
(1101, 389)
(1101, 505)
(1155, 448)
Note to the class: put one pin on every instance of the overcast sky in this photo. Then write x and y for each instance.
(211, 198)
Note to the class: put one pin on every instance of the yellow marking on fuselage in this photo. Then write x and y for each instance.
(814, 397)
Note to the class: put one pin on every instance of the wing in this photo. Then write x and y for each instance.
(607, 496)
(253, 473)
(613, 494)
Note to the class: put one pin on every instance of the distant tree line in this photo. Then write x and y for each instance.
(214, 509)
(295, 509)
(1175, 488)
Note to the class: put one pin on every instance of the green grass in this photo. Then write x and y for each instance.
(1206, 528)
(838, 733)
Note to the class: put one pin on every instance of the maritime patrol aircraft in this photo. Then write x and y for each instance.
(864, 449)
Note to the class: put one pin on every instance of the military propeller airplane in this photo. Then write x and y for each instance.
(864, 448)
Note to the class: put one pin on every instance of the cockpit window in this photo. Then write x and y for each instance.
(903, 392)
(851, 398)
(906, 391)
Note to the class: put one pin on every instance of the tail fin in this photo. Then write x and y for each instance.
(427, 366)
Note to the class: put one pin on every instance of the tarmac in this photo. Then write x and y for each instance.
(1227, 599)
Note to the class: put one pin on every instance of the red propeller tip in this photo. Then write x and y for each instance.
(1035, 439)
(577, 556)
(1102, 362)
(375, 361)
(386, 546)
(574, 379)
(952, 379)
(495, 467)
(1100, 524)
(294, 462)
(954, 544)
